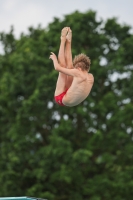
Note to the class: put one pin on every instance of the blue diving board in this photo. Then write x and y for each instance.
(20, 198)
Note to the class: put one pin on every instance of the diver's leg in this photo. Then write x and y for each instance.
(62, 78)
(68, 56)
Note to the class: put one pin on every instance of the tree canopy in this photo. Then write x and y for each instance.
(60, 153)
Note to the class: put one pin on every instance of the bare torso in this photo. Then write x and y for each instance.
(79, 90)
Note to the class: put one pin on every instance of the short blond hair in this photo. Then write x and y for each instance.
(82, 61)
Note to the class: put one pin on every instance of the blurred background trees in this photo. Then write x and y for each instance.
(60, 153)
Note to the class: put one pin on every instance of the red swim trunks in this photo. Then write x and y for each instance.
(58, 99)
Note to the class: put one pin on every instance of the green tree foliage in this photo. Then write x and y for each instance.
(61, 153)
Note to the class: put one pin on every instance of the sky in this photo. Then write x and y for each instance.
(25, 13)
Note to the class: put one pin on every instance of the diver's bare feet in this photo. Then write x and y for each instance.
(69, 35)
(64, 33)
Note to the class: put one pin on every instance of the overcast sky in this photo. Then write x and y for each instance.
(24, 13)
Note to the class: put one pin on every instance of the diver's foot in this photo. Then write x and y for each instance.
(64, 33)
(69, 35)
